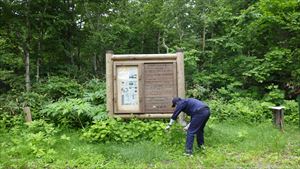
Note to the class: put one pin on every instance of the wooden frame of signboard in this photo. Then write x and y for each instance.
(142, 85)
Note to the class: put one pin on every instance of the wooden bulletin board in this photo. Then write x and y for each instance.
(143, 85)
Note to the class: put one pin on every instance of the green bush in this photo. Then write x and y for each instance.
(95, 92)
(33, 139)
(73, 112)
(35, 101)
(250, 110)
(291, 114)
(39, 137)
(241, 109)
(10, 104)
(57, 87)
(117, 130)
(275, 95)
(8, 121)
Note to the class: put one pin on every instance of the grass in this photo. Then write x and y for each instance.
(229, 145)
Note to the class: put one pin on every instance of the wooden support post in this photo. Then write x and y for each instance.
(143, 116)
(181, 81)
(109, 83)
(134, 57)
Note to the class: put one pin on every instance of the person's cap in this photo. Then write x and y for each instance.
(175, 100)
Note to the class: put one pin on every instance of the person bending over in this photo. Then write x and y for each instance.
(199, 112)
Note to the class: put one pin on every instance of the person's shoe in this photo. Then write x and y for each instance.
(188, 153)
(202, 147)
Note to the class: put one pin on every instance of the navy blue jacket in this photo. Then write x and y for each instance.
(189, 106)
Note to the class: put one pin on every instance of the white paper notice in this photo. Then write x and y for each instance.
(128, 88)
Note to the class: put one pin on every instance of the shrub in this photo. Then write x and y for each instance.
(241, 109)
(40, 137)
(250, 110)
(94, 92)
(275, 96)
(57, 87)
(291, 114)
(35, 138)
(117, 130)
(73, 112)
(8, 121)
(35, 101)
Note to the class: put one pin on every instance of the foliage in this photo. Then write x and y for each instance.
(275, 96)
(73, 112)
(116, 130)
(240, 57)
(241, 109)
(94, 91)
(227, 145)
(291, 112)
(249, 110)
(35, 139)
(8, 121)
(40, 134)
(57, 87)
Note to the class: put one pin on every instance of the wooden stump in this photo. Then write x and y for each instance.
(28, 117)
(278, 116)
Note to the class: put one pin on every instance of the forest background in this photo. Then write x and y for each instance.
(241, 57)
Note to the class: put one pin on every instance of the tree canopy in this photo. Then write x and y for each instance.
(231, 46)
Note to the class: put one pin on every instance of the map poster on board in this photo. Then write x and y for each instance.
(128, 96)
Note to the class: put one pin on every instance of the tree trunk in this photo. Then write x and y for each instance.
(101, 61)
(95, 62)
(27, 72)
(165, 46)
(37, 69)
(72, 57)
(38, 61)
(142, 43)
(203, 37)
(158, 42)
(26, 49)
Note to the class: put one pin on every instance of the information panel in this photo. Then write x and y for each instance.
(127, 87)
(159, 87)
(143, 85)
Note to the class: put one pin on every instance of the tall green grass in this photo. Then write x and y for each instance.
(229, 145)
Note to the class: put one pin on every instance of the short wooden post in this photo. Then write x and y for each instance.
(109, 83)
(278, 116)
(28, 116)
(181, 81)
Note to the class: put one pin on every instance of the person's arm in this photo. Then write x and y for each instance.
(177, 111)
(170, 124)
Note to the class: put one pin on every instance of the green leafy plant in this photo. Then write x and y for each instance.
(40, 137)
(291, 112)
(73, 112)
(275, 96)
(241, 109)
(36, 138)
(116, 130)
(94, 92)
(8, 121)
(57, 87)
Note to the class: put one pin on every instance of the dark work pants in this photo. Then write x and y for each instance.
(197, 127)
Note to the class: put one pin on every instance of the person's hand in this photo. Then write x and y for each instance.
(168, 127)
(170, 124)
(186, 127)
